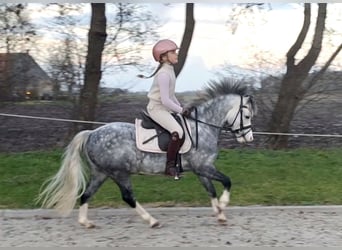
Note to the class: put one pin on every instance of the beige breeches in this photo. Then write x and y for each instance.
(165, 119)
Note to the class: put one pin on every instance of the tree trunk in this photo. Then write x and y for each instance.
(96, 40)
(292, 87)
(187, 37)
(284, 110)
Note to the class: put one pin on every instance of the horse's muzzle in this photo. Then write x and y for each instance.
(245, 138)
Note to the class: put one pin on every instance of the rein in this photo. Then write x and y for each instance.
(226, 128)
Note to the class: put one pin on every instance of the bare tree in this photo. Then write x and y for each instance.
(130, 27)
(292, 88)
(285, 94)
(67, 68)
(318, 75)
(187, 38)
(66, 62)
(96, 41)
(16, 30)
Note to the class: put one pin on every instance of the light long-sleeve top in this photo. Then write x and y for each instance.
(162, 91)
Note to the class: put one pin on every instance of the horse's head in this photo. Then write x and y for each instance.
(239, 119)
(234, 109)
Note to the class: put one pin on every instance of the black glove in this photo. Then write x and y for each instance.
(187, 111)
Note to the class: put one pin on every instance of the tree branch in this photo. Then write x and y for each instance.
(319, 74)
(301, 37)
(187, 37)
(316, 45)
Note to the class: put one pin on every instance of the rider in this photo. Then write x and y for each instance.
(162, 99)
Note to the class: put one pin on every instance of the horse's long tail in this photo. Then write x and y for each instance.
(62, 190)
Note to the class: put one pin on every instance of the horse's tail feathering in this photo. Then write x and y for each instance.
(69, 183)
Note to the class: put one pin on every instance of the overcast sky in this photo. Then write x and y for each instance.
(266, 35)
(269, 33)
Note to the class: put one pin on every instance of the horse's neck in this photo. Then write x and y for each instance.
(216, 110)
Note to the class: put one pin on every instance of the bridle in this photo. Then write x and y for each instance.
(226, 127)
(242, 127)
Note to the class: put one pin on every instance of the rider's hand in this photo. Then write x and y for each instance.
(187, 111)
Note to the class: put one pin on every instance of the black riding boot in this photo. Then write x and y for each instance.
(171, 155)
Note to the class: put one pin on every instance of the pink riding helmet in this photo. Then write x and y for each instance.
(162, 47)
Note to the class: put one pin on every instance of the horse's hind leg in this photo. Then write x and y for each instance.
(96, 181)
(125, 186)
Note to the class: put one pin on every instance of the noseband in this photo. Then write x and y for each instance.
(226, 127)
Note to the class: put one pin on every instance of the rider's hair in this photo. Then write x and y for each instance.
(153, 74)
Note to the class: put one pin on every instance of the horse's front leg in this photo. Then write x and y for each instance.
(217, 205)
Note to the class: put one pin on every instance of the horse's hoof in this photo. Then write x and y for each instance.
(155, 224)
(222, 221)
(87, 224)
(221, 218)
(90, 225)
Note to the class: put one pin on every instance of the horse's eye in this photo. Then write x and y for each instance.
(247, 117)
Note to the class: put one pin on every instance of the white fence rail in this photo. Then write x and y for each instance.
(103, 123)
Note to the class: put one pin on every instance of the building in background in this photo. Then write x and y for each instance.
(22, 78)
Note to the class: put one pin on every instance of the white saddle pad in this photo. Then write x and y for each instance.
(143, 135)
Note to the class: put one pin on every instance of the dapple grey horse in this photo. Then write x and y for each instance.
(110, 151)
